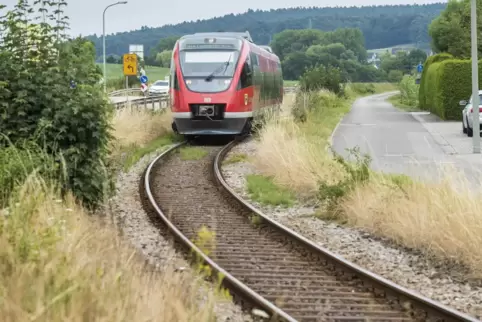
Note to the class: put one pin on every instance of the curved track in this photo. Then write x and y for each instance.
(264, 262)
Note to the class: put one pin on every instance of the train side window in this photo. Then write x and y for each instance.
(254, 59)
(174, 80)
(246, 78)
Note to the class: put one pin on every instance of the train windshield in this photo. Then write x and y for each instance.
(203, 63)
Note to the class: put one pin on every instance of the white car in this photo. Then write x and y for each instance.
(159, 87)
(467, 118)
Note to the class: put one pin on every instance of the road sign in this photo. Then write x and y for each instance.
(143, 87)
(143, 79)
(420, 68)
(130, 64)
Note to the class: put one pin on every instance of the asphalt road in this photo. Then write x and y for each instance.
(415, 144)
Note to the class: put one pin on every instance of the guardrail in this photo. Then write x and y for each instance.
(126, 92)
(157, 101)
(154, 102)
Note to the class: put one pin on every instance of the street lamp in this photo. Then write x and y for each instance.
(103, 39)
(475, 79)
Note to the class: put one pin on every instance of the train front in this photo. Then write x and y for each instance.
(203, 80)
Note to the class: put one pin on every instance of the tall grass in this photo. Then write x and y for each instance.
(439, 219)
(57, 263)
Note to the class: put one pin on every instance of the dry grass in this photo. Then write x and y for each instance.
(440, 219)
(295, 161)
(140, 126)
(59, 265)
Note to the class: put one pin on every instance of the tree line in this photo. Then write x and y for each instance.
(383, 26)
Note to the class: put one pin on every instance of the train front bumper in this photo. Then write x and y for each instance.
(227, 126)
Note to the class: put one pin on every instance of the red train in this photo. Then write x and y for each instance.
(220, 82)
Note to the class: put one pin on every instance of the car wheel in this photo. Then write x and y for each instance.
(464, 128)
(470, 132)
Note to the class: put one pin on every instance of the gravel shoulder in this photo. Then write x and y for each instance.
(136, 227)
(447, 283)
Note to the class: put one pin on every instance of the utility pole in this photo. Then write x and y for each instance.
(103, 40)
(475, 79)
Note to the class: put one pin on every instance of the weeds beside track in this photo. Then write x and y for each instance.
(264, 262)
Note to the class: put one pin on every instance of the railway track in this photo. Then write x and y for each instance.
(266, 264)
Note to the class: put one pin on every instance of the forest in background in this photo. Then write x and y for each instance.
(382, 26)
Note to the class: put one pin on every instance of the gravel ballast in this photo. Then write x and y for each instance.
(448, 284)
(134, 223)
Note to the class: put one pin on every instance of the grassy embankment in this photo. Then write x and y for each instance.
(434, 218)
(60, 264)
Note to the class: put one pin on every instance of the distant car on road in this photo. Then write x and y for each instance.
(159, 87)
(467, 119)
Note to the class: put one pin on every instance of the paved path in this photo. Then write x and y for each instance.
(416, 144)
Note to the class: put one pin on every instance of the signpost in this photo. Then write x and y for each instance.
(143, 87)
(130, 69)
(420, 68)
(130, 65)
(143, 79)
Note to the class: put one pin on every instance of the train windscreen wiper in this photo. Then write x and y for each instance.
(217, 70)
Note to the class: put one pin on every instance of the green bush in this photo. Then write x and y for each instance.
(424, 99)
(321, 77)
(363, 88)
(408, 91)
(454, 83)
(395, 76)
(38, 64)
(446, 83)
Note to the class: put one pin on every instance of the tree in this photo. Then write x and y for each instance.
(164, 58)
(50, 94)
(450, 31)
(382, 26)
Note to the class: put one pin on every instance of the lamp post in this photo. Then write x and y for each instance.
(103, 40)
(475, 79)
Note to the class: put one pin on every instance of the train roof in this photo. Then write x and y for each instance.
(239, 35)
(267, 48)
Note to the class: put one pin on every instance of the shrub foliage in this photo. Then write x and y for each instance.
(50, 94)
(446, 83)
(425, 94)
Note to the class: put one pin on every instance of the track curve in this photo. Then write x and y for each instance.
(266, 263)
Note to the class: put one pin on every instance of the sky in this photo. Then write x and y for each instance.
(85, 16)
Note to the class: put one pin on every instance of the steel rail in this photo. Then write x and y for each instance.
(235, 284)
(420, 301)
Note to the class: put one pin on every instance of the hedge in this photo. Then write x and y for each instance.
(446, 83)
(425, 83)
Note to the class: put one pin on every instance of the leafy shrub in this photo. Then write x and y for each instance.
(408, 91)
(312, 101)
(362, 88)
(395, 76)
(38, 64)
(424, 95)
(321, 77)
(446, 83)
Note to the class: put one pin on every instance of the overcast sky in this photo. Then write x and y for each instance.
(86, 15)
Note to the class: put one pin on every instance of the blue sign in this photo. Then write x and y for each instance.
(420, 68)
(143, 79)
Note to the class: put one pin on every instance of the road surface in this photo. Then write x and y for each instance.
(417, 144)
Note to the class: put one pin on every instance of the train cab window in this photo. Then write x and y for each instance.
(246, 78)
(174, 83)
(254, 59)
